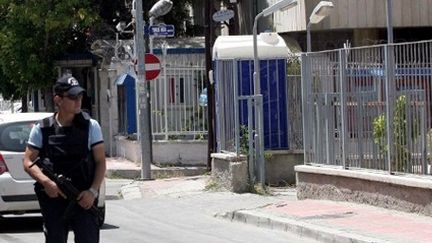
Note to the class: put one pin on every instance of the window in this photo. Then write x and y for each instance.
(14, 136)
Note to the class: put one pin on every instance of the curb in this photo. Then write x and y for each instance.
(170, 172)
(130, 192)
(123, 173)
(157, 173)
(317, 232)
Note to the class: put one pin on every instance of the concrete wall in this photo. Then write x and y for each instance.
(230, 171)
(108, 108)
(171, 152)
(407, 193)
(280, 166)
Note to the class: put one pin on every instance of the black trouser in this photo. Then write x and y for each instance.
(57, 224)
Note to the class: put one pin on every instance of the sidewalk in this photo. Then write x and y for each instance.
(325, 221)
(329, 221)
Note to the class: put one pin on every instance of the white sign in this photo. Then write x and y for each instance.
(223, 15)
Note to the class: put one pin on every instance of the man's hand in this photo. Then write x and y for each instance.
(52, 190)
(86, 199)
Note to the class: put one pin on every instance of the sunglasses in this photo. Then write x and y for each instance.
(71, 97)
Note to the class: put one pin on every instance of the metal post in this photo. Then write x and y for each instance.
(306, 76)
(260, 149)
(144, 96)
(308, 37)
(343, 106)
(389, 8)
(164, 53)
(250, 143)
(259, 142)
(236, 107)
(151, 20)
(390, 98)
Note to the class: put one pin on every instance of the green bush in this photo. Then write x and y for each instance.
(400, 138)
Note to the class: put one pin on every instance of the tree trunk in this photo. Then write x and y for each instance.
(48, 100)
(234, 24)
(24, 104)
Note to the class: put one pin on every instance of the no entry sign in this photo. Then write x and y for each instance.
(152, 66)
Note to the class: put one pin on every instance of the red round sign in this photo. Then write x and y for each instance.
(152, 66)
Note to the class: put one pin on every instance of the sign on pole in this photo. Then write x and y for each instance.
(152, 66)
(160, 30)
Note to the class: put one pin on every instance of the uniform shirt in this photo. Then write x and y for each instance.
(95, 135)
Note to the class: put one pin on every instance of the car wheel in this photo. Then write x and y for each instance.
(101, 220)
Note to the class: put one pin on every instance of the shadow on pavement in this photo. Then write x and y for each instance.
(30, 224)
(20, 224)
(109, 227)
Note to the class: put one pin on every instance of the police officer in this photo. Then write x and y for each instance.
(73, 142)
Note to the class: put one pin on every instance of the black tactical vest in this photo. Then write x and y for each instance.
(67, 148)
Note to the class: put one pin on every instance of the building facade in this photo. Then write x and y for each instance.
(358, 22)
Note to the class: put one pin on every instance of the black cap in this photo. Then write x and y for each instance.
(68, 84)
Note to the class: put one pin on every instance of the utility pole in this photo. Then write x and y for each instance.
(389, 13)
(209, 32)
(143, 104)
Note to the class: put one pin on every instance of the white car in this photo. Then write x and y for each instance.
(17, 194)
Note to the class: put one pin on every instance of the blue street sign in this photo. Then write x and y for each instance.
(162, 30)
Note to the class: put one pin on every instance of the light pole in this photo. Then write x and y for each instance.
(389, 7)
(160, 8)
(143, 89)
(259, 137)
(143, 106)
(321, 10)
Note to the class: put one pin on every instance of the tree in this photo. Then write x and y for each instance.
(33, 34)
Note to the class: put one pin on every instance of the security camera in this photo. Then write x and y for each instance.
(121, 26)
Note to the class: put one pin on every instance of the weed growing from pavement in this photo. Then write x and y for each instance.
(212, 185)
(160, 176)
(207, 173)
(260, 190)
(115, 175)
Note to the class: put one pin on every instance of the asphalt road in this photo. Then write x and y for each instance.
(164, 218)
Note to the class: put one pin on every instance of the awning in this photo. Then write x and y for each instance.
(124, 78)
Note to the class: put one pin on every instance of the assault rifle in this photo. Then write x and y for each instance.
(65, 185)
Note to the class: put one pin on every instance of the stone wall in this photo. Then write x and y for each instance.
(407, 193)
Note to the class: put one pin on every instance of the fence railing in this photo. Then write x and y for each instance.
(294, 101)
(369, 107)
(176, 110)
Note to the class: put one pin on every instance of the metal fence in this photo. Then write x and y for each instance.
(235, 138)
(369, 107)
(176, 110)
(234, 95)
(294, 101)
